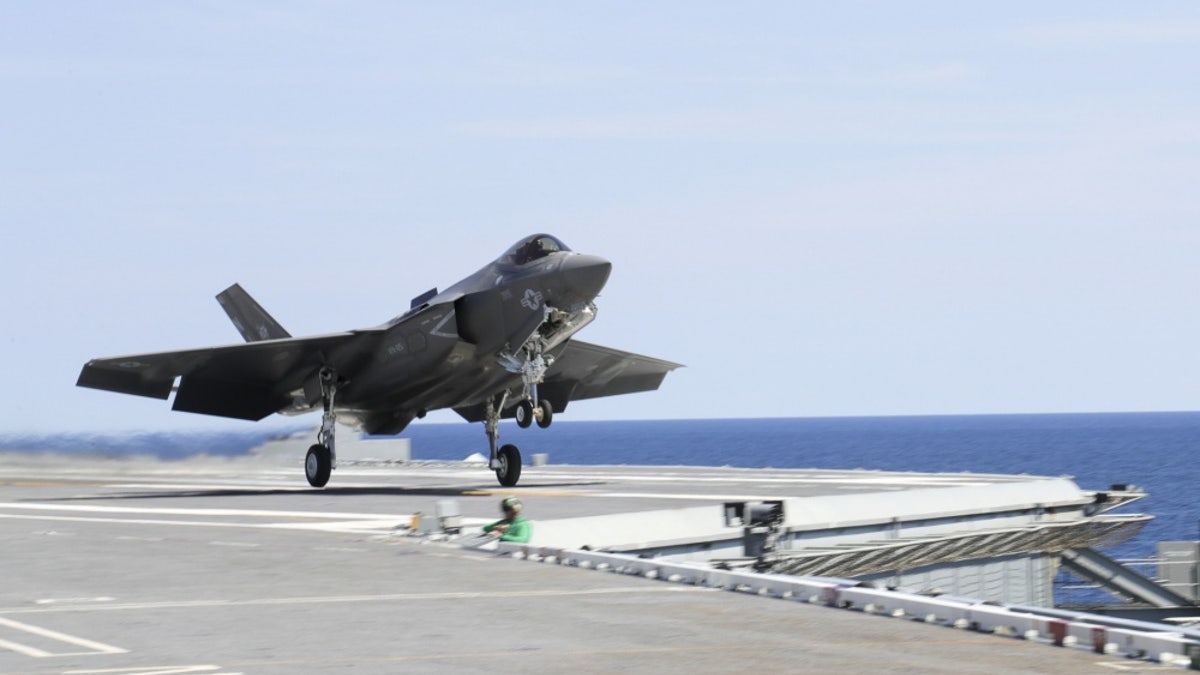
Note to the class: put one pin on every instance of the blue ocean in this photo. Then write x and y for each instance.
(1155, 451)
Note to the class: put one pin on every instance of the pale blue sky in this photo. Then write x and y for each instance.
(821, 208)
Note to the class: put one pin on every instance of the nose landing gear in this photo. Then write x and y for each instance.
(531, 364)
(505, 461)
(526, 413)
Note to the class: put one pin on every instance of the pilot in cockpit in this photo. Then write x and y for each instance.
(535, 249)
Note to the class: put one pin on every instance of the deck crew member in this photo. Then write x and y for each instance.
(513, 526)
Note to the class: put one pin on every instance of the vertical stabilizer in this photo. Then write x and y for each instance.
(251, 320)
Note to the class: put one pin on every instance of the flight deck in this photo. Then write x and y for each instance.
(218, 565)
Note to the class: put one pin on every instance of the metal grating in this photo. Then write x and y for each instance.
(899, 554)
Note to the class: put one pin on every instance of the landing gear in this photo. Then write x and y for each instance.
(317, 465)
(505, 461)
(322, 458)
(526, 413)
(509, 470)
(531, 365)
(546, 415)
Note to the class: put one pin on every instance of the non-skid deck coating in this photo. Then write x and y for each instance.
(235, 566)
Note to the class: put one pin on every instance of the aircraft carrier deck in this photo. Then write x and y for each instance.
(212, 565)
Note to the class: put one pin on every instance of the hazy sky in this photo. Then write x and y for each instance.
(823, 208)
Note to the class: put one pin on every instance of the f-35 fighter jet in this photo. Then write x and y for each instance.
(497, 344)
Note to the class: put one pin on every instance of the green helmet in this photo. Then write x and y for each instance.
(510, 503)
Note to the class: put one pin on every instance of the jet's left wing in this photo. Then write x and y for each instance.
(584, 370)
(246, 381)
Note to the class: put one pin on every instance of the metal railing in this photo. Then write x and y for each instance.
(1105, 635)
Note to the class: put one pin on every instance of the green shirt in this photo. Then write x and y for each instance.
(519, 530)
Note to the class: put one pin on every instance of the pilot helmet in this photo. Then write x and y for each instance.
(510, 504)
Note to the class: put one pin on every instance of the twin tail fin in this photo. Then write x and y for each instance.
(251, 320)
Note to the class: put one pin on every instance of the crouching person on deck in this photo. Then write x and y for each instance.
(513, 526)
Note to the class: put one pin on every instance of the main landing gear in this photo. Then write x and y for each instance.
(505, 461)
(322, 459)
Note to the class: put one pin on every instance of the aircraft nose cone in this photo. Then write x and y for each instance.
(585, 275)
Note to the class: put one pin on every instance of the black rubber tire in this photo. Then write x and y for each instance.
(547, 414)
(510, 465)
(524, 414)
(318, 465)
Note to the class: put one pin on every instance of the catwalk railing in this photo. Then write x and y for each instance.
(1106, 635)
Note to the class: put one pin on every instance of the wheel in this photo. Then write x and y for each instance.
(510, 465)
(317, 465)
(524, 414)
(547, 415)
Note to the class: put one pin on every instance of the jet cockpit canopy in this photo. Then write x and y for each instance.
(533, 248)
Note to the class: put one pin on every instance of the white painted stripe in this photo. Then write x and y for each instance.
(859, 490)
(24, 649)
(349, 526)
(261, 486)
(59, 601)
(99, 647)
(136, 521)
(350, 599)
(152, 670)
(90, 508)
(355, 527)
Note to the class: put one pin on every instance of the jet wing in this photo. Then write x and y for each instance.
(584, 370)
(245, 381)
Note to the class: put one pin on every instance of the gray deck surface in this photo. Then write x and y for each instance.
(235, 566)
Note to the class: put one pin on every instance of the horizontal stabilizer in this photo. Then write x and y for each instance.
(251, 320)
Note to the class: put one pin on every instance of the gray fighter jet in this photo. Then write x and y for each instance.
(497, 344)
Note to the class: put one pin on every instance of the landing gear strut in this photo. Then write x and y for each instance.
(532, 366)
(505, 461)
(322, 458)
